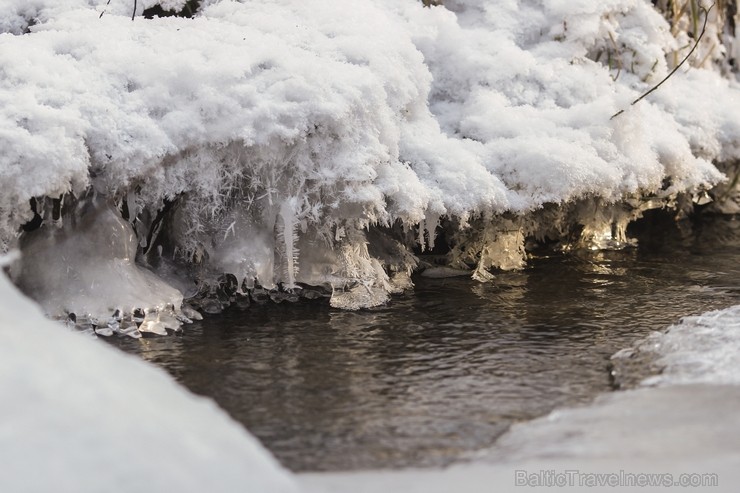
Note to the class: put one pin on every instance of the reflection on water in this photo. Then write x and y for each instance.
(443, 371)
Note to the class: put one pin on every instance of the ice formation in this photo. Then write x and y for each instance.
(88, 263)
(267, 149)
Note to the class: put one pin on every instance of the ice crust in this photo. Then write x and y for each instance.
(314, 143)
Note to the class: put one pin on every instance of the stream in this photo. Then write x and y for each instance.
(441, 372)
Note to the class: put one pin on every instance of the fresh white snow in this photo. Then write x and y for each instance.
(699, 349)
(282, 130)
(78, 416)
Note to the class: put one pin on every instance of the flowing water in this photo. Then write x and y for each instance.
(444, 370)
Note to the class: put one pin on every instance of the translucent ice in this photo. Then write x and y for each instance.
(87, 267)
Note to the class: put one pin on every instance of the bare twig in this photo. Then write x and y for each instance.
(103, 12)
(134, 14)
(656, 86)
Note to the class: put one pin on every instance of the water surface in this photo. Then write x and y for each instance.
(443, 371)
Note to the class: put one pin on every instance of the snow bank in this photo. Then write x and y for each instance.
(700, 349)
(78, 416)
(289, 144)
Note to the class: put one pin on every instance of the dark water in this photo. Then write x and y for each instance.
(443, 371)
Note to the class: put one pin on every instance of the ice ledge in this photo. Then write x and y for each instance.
(94, 269)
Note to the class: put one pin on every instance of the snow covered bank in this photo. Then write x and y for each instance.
(78, 416)
(290, 144)
(700, 349)
(682, 425)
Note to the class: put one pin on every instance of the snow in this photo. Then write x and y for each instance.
(80, 416)
(701, 349)
(281, 130)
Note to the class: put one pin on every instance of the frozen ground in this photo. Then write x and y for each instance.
(682, 422)
(292, 143)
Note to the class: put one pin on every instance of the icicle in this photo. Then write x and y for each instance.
(420, 238)
(605, 228)
(289, 236)
(88, 267)
(431, 221)
(133, 209)
(152, 325)
(501, 246)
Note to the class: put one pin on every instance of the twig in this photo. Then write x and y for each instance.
(656, 86)
(134, 14)
(103, 12)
